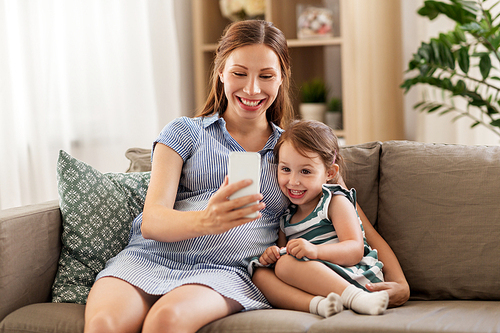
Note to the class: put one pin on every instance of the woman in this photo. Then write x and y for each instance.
(190, 246)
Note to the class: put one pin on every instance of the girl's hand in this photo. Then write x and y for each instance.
(399, 293)
(270, 255)
(223, 214)
(300, 248)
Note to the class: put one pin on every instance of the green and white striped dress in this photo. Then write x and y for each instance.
(318, 229)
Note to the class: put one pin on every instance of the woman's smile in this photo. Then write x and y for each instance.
(250, 104)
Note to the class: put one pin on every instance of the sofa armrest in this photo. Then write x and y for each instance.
(30, 245)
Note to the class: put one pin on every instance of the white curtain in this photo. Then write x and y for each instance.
(426, 127)
(92, 77)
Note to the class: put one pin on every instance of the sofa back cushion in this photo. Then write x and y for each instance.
(439, 211)
(362, 162)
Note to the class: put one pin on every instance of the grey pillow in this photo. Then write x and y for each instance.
(362, 163)
(439, 211)
(97, 211)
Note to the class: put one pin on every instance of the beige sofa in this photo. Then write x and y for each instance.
(436, 205)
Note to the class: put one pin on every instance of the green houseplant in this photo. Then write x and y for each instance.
(313, 99)
(333, 116)
(448, 61)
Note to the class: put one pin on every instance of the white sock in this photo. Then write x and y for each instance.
(326, 306)
(364, 302)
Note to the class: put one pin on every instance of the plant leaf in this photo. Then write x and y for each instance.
(485, 65)
(495, 123)
(462, 55)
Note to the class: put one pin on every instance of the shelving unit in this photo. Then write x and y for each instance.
(327, 58)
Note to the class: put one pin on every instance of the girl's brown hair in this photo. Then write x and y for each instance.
(244, 33)
(308, 136)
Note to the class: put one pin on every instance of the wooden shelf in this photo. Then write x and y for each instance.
(360, 64)
(292, 43)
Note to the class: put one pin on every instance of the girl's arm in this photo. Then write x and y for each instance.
(395, 282)
(163, 223)
(272, 253)
(349, 250)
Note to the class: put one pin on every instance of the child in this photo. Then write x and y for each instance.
(326, 254)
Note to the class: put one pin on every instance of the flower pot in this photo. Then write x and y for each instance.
(334, 120)
(313, 111)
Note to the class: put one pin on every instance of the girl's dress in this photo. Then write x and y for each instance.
(217, 261)
(318, 229)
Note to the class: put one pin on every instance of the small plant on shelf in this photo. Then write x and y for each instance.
(313, 99)
(313, 91)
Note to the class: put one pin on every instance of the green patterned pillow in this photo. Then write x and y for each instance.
(97, 211)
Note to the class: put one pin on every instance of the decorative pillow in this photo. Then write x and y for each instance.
(97, 211)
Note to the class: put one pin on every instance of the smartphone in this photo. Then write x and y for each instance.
(245, 165)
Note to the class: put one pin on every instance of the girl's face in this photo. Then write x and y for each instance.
(251, 78)
(300, 178)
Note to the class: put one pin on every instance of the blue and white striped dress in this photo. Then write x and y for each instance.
(217, 261)
(318, 229)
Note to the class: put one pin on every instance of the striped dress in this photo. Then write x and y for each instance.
(217, 261)
(318, 229)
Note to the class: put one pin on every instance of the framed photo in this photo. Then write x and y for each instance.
(314, 22)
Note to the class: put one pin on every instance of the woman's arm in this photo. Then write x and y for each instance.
(163, 223)
(395, 282)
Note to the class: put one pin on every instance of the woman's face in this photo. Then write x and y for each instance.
(251, 78)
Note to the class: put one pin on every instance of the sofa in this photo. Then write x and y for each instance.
(437, 205)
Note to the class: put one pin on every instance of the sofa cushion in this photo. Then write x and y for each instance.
(263, 321)
(362, 163)
(418, 316)
(97, 211)
(45, 317)
(439, 211)
(69, 318)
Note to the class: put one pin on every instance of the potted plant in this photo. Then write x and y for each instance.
(313, 100)
(447, 62)
(333, 116)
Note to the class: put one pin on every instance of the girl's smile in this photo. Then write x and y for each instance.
(295, 194)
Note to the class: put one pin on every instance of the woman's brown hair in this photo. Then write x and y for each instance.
(243, 33)
(308, 136)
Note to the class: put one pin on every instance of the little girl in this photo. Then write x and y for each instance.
(326, 254)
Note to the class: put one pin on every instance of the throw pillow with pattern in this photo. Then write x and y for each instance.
(97, 211)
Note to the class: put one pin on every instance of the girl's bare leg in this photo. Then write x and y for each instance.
(285, 296)
(316, 278)
(114, 305)
(311, 276)
(187, 309)
(280, 294)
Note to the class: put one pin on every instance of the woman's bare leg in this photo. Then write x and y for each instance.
(114, 305)
(187, 309)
